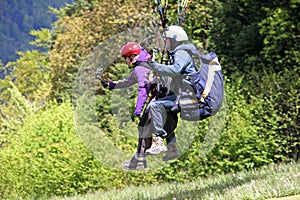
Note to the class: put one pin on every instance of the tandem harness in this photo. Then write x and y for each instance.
(202, 93)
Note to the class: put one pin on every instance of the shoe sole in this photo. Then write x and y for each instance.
(138, 166)
(155, 153)
(171, 158)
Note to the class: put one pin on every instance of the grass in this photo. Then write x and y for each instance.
(270, 182)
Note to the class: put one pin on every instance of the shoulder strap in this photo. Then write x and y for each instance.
(153, 77)
(142, 63)
(192, 51)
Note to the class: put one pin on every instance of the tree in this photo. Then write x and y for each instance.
(281, 41)
(236, 34)
(76, 35)
(30, 75)
(17, 18)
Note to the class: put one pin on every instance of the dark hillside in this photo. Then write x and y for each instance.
(17, 18)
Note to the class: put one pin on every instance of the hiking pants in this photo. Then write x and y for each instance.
(159, 111)
(146, 128)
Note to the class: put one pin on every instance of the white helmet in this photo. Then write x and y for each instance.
(177, 33)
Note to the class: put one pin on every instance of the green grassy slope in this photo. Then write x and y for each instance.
(270, 182)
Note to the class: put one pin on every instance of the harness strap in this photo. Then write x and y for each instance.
(152, 73)
(181, 10)
(155, 80)
(162, 9)
(144, 64)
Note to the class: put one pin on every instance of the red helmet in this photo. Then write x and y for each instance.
(131, 48)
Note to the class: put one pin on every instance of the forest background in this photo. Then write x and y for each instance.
(17, 19)
(258, 45)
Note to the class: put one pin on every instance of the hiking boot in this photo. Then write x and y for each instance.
(136, 162)
(172, 153)
(157, 146)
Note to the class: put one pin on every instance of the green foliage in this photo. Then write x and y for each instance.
(199, 22)
(242, 144)
(54, 161)
(13, 114)
(30, 75)
(43, 38)
(48, 158)
(258, 130)
(256, 35)
(281, 36)
(23, 89)
(235, 34)
(278, 96)
(2, 71)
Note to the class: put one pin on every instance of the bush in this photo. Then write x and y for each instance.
(278, 96)
(13, 113)
(48, 158)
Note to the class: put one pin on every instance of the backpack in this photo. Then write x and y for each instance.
(203, 91)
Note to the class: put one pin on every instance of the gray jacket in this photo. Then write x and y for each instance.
(182, 64)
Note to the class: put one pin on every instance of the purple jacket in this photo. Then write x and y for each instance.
(139, 75)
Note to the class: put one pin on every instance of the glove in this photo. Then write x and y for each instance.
(98, 73)
(104, 83)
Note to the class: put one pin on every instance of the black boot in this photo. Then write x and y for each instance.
(172, 152)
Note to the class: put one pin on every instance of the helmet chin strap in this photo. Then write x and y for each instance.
(135, 58)
(173, 44)
(176, 44)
